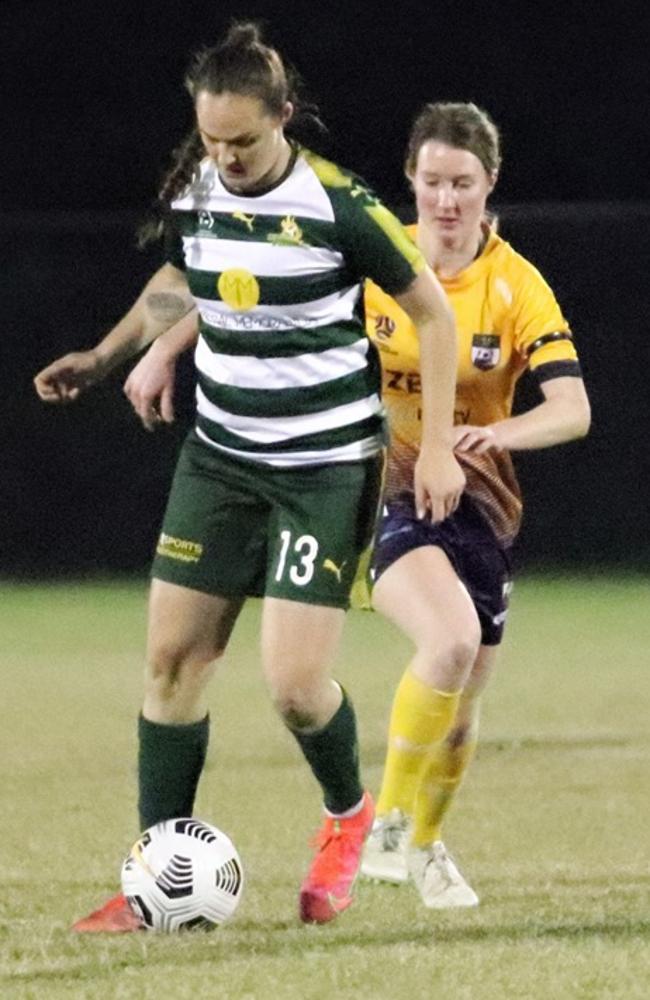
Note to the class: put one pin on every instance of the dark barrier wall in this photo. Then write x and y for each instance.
(83, 487)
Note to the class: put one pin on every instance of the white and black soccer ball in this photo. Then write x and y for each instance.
(183, 873)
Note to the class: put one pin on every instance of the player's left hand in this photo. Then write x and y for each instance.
(150, 388)
(478, 440)
(439, 483)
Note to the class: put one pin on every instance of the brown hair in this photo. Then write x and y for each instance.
(242, 64)
(463, 126)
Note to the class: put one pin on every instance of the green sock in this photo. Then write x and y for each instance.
(333, 755)
(170, 762)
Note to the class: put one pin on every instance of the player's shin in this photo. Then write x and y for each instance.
(420, 719)
(333, 756)
(441, 777)
(170, 761)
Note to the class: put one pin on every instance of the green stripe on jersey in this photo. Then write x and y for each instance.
(291, 402)
(247, 227)
(323, 440)
(273, 343)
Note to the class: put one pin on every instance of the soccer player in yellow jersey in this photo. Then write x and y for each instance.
(446, 585)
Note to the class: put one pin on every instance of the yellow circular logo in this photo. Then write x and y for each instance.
(239, 288)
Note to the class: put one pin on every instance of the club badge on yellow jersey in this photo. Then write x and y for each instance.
(486, 350)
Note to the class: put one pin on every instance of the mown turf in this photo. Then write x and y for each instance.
(551, 825)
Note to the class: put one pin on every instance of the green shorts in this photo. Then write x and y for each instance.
(235, 528)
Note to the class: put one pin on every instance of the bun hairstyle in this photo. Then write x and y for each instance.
(241, 63)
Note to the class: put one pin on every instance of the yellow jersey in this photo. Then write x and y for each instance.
(507, 320)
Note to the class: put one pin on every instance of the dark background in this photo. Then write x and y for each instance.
(93, 103)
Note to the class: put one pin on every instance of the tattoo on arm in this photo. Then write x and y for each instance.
(167, 307)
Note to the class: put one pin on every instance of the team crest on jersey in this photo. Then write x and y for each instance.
(486, 350)
(290, 233)
(239, 289)
(384, 327)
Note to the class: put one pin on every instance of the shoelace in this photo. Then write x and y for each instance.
(329, 831)
(443, 863)
(331, 842)
(392, 833)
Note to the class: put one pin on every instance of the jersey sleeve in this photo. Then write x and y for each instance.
(543, 336)
(173, 243)
(378, 245)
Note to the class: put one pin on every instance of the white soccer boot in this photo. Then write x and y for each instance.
(385, 852)
(437, 879)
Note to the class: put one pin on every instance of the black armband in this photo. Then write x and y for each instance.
(548, 338)
(557, 369)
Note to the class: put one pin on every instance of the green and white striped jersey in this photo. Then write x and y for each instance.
(286, 373)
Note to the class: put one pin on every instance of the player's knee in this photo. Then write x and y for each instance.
(297, 709)
(299, 720)
(462, 651)
(448, 659)
(171, 667)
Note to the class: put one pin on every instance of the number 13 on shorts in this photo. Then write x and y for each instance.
(297, 558)
(316, 537)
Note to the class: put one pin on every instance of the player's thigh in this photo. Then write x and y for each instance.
(299, 642)
(322, 521)
(422, 595)
(213, 536)
(186, 625)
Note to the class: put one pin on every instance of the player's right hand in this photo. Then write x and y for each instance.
(438, 483)
(150, 387)
(64, 379)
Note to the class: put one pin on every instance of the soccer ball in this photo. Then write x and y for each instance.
(182, 873)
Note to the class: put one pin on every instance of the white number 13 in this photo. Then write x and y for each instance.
(306, 548)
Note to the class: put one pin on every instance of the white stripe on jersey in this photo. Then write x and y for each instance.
(301, 194)
(263, 259)
(248, 372)
(270, 430)
(335, 308)
(354, 452)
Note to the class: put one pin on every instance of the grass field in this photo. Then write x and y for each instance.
(552, 825)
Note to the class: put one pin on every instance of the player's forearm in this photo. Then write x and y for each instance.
(182, 336)
(427, 305)
(554, 421)
(161, 304)
(438, 367)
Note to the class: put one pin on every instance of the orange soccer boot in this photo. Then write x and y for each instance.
(114, 917)
(327, 889)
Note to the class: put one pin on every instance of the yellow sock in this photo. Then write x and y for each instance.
(438, 781)
(420, 718)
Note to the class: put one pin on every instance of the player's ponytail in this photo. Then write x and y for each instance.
(185, 162)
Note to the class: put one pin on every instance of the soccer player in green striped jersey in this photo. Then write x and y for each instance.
(277, 486)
